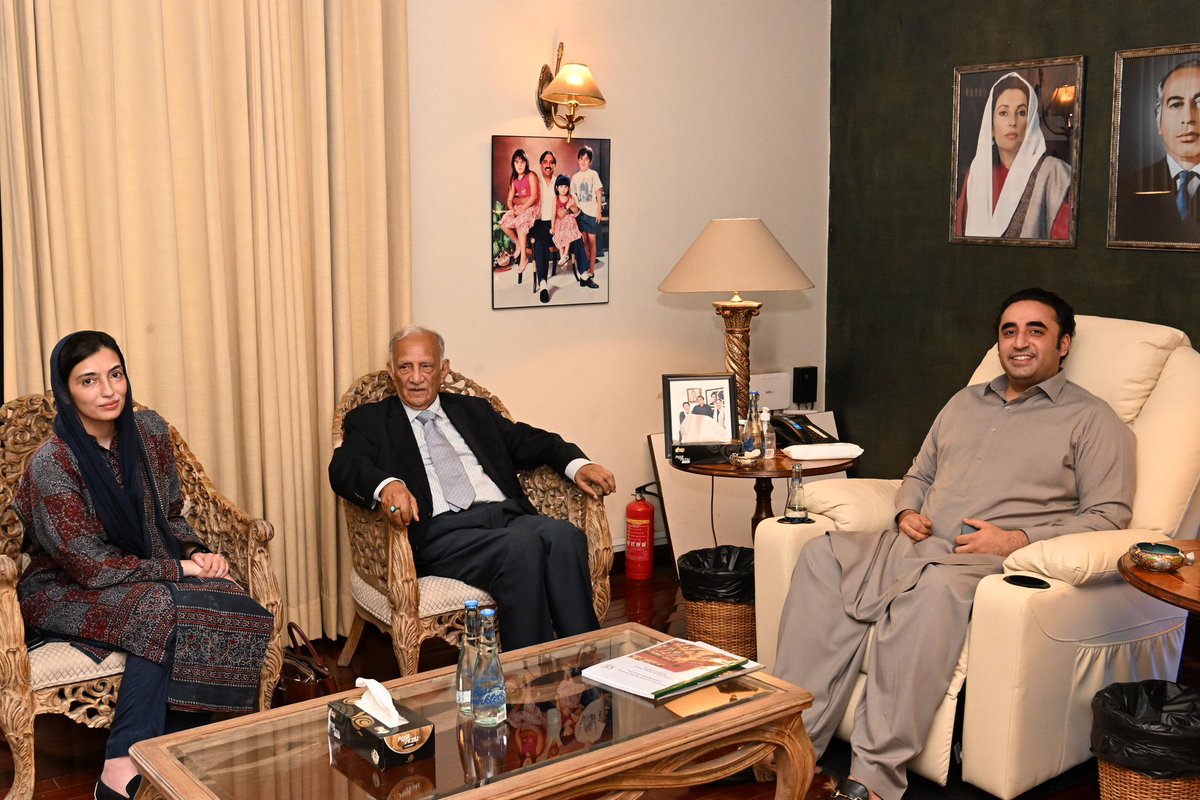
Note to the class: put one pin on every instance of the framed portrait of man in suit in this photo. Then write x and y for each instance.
(1154, 171)
(1015, 156)
(699, 409)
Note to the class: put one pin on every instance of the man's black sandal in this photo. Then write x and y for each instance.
(850, 789)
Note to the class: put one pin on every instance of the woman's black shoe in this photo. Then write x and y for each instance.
(520, 277)
(545, 296)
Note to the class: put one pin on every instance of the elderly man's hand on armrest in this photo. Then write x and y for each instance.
(595, 481)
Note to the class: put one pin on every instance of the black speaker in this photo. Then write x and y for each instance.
(804, 385)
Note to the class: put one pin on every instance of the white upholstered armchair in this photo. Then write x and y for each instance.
(1035, 657)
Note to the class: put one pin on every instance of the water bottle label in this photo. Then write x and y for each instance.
(495, 696)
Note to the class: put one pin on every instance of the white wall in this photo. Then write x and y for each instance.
(715, 109)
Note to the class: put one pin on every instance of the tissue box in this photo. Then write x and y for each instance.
(380, 745)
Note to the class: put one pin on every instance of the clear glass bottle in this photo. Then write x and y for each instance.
(468, 654)
(768, 433)
(752, 432)
(796, 511)
(489, 696)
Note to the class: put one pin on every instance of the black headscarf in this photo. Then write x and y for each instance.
(121, 509)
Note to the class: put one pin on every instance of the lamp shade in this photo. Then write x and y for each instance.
(735, 255)
(574, 84)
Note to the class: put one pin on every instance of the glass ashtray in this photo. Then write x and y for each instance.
(751, 460)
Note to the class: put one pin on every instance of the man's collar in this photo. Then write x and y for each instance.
(1051, 387)
(435, 407)
(1174, 167)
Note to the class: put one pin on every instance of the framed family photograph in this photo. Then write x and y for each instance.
(549, 221)
(699, 409)
(1015, 152)
(1154, 170)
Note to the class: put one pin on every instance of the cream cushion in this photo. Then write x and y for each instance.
(438, 596)
(1080, 558)
(56, 663)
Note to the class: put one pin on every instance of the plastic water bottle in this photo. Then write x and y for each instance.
(768, 433)
(468, 654)
(489, 696)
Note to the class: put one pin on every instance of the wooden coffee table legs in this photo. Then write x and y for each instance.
(793, 765)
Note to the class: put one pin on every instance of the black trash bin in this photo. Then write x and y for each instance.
(1146, 738)
(718, 597)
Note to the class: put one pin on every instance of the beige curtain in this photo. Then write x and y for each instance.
(224, 187)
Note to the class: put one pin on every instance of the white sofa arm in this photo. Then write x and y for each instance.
(1079, 558)
(836, 504)
(1037, 657)
(855, 504)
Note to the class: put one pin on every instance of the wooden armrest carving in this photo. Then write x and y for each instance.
(15, 675)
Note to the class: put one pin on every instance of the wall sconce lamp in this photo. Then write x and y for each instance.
(1061, 104)
(571, 85)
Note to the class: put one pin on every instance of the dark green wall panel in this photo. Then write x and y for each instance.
(910, 314)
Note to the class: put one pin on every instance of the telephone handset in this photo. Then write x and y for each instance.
(798, 429)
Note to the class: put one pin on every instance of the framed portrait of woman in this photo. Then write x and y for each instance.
(1015, 154)
(1154, 171)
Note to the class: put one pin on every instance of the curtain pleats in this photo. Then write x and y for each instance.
(224, 187)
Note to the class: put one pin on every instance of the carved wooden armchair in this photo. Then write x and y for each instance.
(387, 592)
(56, 678)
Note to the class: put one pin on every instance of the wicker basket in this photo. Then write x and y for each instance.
(729, 626)
(1119, 783)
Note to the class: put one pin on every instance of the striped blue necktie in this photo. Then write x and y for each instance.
(456, 486)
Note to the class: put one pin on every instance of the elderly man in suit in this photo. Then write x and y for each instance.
(446, 465)
(1159, 203)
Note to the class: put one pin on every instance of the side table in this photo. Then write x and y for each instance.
(778, 467)
(1179, 588)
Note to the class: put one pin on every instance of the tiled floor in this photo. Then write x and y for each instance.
(69, 755)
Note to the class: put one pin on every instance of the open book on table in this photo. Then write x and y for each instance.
(669, 669)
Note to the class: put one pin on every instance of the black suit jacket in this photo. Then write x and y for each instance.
(378, 443)
(1146, 209)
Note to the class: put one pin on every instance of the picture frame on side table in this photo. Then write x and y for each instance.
(1155, 139)
(575, 219)
(699, 409)
(1015, 152)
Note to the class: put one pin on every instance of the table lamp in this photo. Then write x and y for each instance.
(736, 255)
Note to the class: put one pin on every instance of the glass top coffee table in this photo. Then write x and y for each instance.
(565, 737)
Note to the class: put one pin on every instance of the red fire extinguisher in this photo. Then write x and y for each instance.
(639, 538)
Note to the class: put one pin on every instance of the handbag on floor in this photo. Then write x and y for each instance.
(303, 675)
